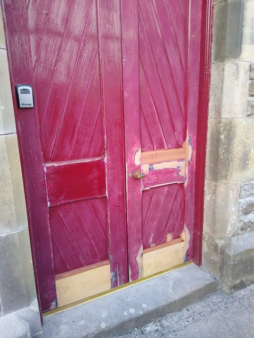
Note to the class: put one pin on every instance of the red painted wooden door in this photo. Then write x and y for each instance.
(161, 47)
(115, 85)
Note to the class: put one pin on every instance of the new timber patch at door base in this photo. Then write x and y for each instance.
(95, 279)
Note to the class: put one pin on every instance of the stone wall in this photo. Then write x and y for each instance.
(228, 244)
(17, 286)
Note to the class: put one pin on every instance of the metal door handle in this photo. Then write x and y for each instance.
(138, 175)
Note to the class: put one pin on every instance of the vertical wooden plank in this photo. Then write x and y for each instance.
(20, 62)
(111, 80)
(132, 134)
(205, 66)
(192, 111)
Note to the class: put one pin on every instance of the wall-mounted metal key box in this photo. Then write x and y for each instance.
(24, 96)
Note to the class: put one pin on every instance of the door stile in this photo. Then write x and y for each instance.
(130, 51)
(109, 26)
(193, 68)
(20, 62)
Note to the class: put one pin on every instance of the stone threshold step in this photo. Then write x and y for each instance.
(132, 307)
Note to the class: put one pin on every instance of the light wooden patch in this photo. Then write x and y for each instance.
(163, 257)
(83, 283)
(158, 156)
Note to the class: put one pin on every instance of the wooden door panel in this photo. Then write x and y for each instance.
(116, 91)
(79, 234)
(162, 214)
(168, 39)
(71, 180)
(158, 64)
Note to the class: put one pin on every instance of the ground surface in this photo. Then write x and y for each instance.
(218, 316)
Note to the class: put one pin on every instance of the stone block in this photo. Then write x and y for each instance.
(246, 206)
(247, 52)
(230, 150)
(7, 121)
(211, 254)
(229, 90)
(2, 37)
(12, 200)
(227, 30)
(27, 265)
(32, 318)
(16, 272)
(221, 208)
(238, 262)
(219, 31)
(11, 326)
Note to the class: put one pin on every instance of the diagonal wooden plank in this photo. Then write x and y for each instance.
(51, 43)
(63, 76)
(146, 138)
(97, 143)
(81, 89)
(60, 264)
(171, 44)
(177, 206)
(89, 114)
(163, 68)
(150, 113)
(38, 17)
(156, 86)
(179, 20)
(156, 42)
(61, 237)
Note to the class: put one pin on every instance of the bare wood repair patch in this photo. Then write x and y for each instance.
(157, 156)
(163, 257)
(83, 283)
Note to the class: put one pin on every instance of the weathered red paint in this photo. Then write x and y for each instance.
(192, 112)
(163, 176)
(72, 181)
(111, 78)
(79, 233)
(130, 50)
(162, 213)
(20, 62)
(204, 83)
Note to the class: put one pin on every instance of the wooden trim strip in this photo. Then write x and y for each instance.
(203, 104)
(80, 270)
(91, 281)
(164, 245)
(158, 156)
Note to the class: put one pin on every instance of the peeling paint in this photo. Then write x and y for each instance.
(137, 158)
(180, 165)
(169, 237)
(139, 260)
(186, 238)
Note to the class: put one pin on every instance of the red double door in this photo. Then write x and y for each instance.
(109, 150)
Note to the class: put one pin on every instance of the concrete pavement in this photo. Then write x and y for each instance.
(217, 316)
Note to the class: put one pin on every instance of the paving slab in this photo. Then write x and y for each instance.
(219, 315)
(11, 326)
(132, 307)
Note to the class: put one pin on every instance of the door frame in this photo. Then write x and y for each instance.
(31, 156)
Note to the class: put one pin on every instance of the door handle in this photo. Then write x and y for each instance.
(138, 175)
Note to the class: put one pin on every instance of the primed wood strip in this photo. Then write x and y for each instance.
(91, 281)
(157, 156)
